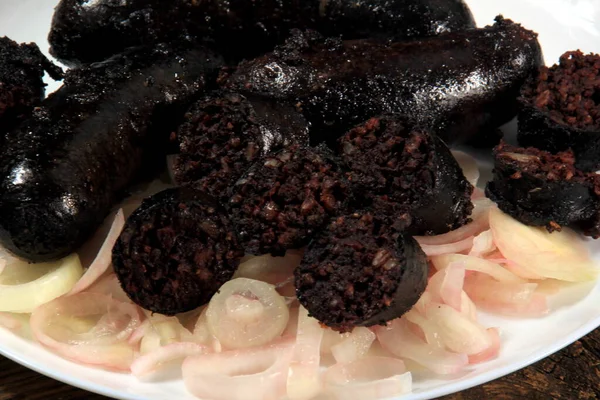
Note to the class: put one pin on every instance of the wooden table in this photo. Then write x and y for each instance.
(573, 373)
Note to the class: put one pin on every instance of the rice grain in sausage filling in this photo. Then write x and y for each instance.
(65, 167)
(286, 198)
(223, 134)
(175, 251)
(406, 174)
(360, 272)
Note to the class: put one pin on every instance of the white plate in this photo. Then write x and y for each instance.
(562, 25)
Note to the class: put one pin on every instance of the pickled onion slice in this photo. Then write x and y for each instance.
(557, 255)
(245, 313)
(458, 333)
(24, 287)
(256, 373)
(368, 378)
(10, 321)
(303, 381)
(88, 328)
(109, 285)
(103, 259)
(468, 165)
(431, 250)
(269, 269)
(401, 342)
(354, 346)
(483, 244)
(164, 356)
(513, 299)
(330, 338)
(201, 334)
(476, 264)
(489, 353)
(480, 223)
(447, 285)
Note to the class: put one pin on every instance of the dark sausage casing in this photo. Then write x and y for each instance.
(84, 31)
(456, 84)
(64, 168)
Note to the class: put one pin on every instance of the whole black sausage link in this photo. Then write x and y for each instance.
(456, 84)
(63, 169)
(84, 31)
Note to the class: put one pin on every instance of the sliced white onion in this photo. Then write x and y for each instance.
(331, 338)
(447, 285)
(303, 381)
(256, 373)
(480, 223)
(203, 335)
(10, 321)
(355, 346)
(458, 333)
(448, 248)
(489, 353)
(103, 259)
(23, 286)
(476, 264)
(559, 255)
(88, 328)
(368, 378)
(273, 270)
(483, 244)
(245, 313)
(428, 328)
(162, 331)
(109, 285)
(164, 356)
(514, 299)
(468, 165)
(401, 342)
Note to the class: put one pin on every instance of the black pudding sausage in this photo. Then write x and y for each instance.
(457, 84)
(65, 167)
(84, 31)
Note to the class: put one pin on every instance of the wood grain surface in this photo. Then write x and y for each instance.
(573, 373)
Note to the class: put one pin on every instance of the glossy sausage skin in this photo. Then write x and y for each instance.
(84, 31)
(457, 84)
(64, 168)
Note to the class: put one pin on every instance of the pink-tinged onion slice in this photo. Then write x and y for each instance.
(88, 328)
(468, 165)
(448, 248)
(273, 270)
(10, 321)
(246, 313)
(558, 255)
(483, 244)
(480, 223)
(354, 346)
(109, 285)
(489, 353)
(447, 284)
(303, 381)
(368, 378)
(164, 356)
(458, 333)
(330, 339)
(256, 373)
(513, 299)
(202, 335)
(468, 308)
(476, 264)
(401, 342)
(104, 257)
(429, 330)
